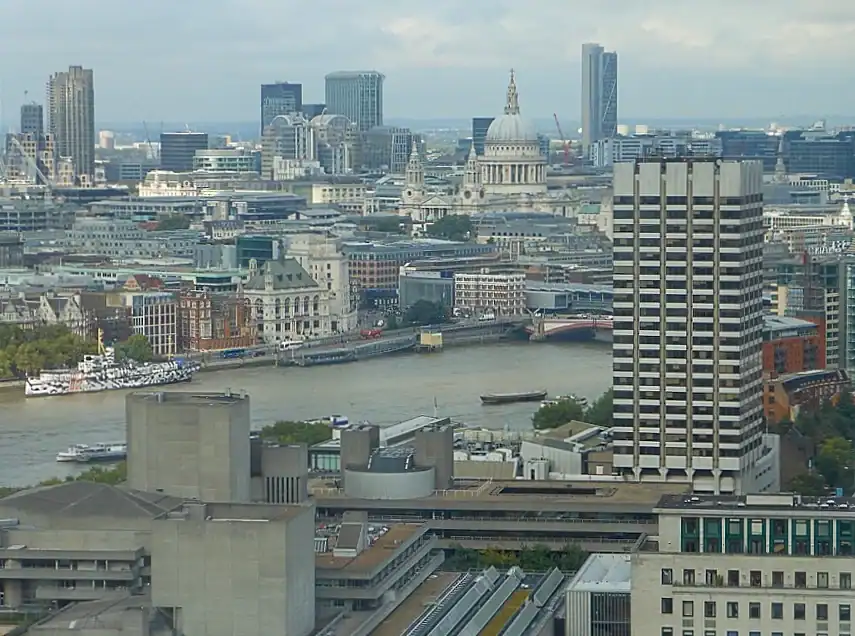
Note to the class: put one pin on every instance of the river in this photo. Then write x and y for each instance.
(382, 390)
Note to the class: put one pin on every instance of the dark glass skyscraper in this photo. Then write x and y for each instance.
(32, 119)
(177, 149)
(281, 98)
(480, 126)
(358, 95)
(599, 94)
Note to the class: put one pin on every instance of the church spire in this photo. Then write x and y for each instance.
(513, 105)
(415, 177)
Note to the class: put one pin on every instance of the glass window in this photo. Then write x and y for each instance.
(777, 579)
(709, 609)
(688, 609)
(822, 580)
(777, 610)
(844, 613)
(822, 611)
(756, 578)
(688, 577)
(667, 576)
(667, 606)
(799, 611)
(667, 631)
(845, 580)
(732, 609)
(801, 579)
(754, 610)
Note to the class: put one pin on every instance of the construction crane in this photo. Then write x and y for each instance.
(563, 140)
(49, 185)
(151, 152)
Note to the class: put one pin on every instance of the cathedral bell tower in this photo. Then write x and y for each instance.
(414, 186)
(472, 190)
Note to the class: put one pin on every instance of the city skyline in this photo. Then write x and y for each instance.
(143, 56)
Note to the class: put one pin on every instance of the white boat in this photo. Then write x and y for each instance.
(83, 453)
(581, 401)
(103, 373)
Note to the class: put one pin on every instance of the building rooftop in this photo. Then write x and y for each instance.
(85, 499)
(776, 326)
(187, 397)
(119, 613)
(234, 512)
(383, 549)
(746, 503)
(284, 274)
(609, 573)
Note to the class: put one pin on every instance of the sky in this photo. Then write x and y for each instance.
(203, 60)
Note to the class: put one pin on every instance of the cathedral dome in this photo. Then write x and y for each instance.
(511, 127)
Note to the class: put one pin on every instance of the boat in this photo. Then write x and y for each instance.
(101, 372)
(581, 401)
(508, 398)
(336, 421)
(83, 453)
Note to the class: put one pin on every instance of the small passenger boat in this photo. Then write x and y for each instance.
(508, 398)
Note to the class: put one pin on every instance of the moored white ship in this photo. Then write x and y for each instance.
(103, 373)
(83, 453)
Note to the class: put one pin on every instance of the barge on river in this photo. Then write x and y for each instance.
(508, 398)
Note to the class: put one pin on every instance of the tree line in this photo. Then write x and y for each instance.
(534, 558)
(112, 475)
(28, 351)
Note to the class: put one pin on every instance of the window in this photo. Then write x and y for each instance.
(667, 631)
(756, 578)
(732, 609)
(822, 580)
(845, 580)
(709, 609)
(822, 611)
(753, 633)
(688, 609)
(733, 578)
(667, 605)
(801, 579)
(777, 611)
(688, 577)
(732, 633)
(799, 611)
(777, 579)
(754, 610)
(844, 613)
(667, 576)
(711, 577)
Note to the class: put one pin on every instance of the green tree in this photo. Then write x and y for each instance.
(453, 227)
(571, 558)
(174, 222)
(810, 484)
(601, 412)
(137, 347)
(558, 414)
(392, 322)
(391, 224)
(425, 312)
(112, 475)
(835, 461)
(288, 432)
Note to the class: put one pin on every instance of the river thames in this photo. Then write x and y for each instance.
(382, 391)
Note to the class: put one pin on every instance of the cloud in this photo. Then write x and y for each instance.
(208, 56)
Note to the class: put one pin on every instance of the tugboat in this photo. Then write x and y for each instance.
(508, 398)
(102, 372)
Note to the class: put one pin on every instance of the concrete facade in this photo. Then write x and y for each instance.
(193, 446)
(226, 569)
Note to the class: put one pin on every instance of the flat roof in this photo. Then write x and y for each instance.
(745, 504)
(384, 548)
(786, 323)
(187, 397)
(237, 512)
(609, 573)
(425, 594)
(112, 613)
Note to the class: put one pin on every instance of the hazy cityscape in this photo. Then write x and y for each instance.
(425, 348)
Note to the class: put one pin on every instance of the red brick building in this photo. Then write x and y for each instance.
(792, 345)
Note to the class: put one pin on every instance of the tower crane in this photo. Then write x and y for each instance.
(563, 140)
(33, 163)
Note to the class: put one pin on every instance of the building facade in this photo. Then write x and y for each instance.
(599, 94)
(759, 564)
(228, 160)
(280, 98)
(71, 119)
(287, 303)
(214, 321)
(32, 119)
(791, 345)
(480, 126)
(358, 95)
(688, 321)
(497, 294)
(177, 149)
(154, 314)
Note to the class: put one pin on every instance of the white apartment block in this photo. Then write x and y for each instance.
(688, 318)
(500, 294)
(760, 565)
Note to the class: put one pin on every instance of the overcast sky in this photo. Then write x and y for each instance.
(203, 60)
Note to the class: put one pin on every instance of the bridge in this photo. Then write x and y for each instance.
(543, 327)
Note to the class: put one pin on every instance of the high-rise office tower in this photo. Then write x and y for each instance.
(177, 149)
(71, 117)
(281, 98)
(480, 126)
(32, 120)
(688, 320)
(599, 94)
(358, 95)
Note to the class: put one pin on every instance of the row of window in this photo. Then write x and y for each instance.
(755, 611)
(669, 631)
(733, 578)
